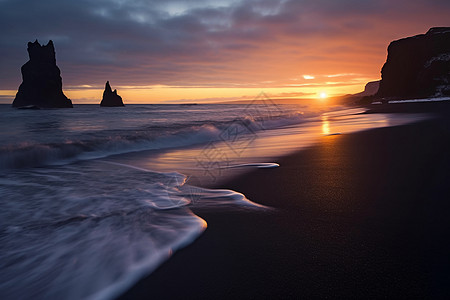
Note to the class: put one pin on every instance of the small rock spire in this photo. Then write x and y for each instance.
(110, 98)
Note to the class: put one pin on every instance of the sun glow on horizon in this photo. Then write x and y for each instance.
(323, 95)
(92, 93)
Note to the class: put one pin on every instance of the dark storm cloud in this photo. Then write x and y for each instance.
(180, 42)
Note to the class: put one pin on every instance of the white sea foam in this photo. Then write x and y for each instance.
(437, 99)
(61, 138)
(253, 165)
(91, 230)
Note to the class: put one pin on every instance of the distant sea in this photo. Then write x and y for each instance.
(92, 199)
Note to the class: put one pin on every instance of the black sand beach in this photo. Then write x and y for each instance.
(358, 215)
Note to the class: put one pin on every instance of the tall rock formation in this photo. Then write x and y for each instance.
(41, 80)
(418, 66)
(110, 98)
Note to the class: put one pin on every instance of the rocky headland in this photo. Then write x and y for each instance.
(417, 67)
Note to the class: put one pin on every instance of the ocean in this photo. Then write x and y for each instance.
(93, 199)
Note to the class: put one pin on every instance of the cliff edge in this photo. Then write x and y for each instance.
(417, 67)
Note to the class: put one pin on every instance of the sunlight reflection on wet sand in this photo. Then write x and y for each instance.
(208, 163)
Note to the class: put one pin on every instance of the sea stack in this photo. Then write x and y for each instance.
(417, 67)
(110, 98)
(41, 80)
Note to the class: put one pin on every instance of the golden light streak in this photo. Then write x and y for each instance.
(325, 125)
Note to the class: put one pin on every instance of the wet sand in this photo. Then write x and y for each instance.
(359, 215)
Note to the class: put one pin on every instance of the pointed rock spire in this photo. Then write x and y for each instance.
(108, 87)
(110, 98)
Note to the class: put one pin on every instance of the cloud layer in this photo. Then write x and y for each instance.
(224, 43)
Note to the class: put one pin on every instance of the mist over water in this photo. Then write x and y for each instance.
(91, 229)
(47, 137)
(92, 199)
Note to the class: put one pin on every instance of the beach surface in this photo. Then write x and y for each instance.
(356, 215)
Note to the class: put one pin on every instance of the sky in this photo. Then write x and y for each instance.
(172, 51)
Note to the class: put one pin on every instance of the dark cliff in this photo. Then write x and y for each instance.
(418, 66)
(110, 98)
(41, 80)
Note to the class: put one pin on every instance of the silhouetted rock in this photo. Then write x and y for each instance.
(110, 98)
(41, 80)
(370, 89)
(418, 66)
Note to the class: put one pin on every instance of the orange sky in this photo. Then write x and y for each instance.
(205, 51)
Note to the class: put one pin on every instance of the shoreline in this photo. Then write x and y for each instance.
(409, 107)
(358, 215)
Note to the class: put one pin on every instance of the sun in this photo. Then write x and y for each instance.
(323, 95)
